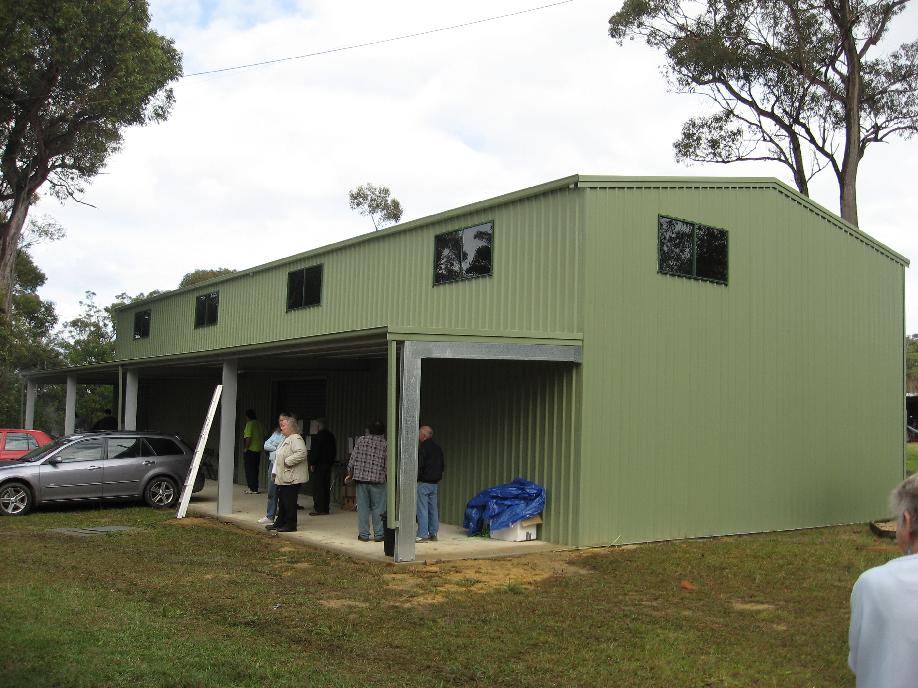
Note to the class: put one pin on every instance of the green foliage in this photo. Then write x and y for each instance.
(90, 337)
(27, 341)
(911, 364)
(792, 82)
(73, 75)
(374, 201)
(198, 276)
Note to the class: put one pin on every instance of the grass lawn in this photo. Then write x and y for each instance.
(911, 457)
(199, 603)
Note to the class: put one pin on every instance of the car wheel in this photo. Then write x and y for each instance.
(15, 499)
(161, 492)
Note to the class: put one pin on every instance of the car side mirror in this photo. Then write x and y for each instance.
(53, 461)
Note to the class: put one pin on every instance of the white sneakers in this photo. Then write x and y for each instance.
(265, 520)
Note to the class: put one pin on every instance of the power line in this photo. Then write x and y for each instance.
(379, 42)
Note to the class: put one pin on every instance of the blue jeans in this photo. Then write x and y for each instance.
(371, 502)
(428, 518)
(272, 499)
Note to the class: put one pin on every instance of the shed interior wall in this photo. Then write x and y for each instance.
(499, 420)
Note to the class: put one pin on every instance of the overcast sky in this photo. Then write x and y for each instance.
(255, 164)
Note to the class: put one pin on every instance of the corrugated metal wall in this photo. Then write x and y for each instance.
(387, 281)
(498, 420)
(771, 403)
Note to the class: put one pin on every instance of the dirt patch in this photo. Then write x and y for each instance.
(514, 574)
(199, 521)
(753, 606)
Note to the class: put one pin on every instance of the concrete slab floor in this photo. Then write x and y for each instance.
(337, 532)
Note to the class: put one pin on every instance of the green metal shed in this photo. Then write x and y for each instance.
(670, 357)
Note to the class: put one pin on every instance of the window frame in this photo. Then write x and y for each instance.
(216, 309)
(149, 319)
(321, 269)
(464, 276)
(695, 227)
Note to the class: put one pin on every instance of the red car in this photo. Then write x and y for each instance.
(16, 443)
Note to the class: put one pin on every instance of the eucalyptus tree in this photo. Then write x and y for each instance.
(806, 83)
(73, 75)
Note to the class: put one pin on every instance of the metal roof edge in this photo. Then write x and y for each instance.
(38, 373)
(216, 354)
(563, 182)
(605, 182)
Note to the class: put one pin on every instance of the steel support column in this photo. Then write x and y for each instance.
(409, 416)
(227, 463)
(70, 406)
(31, 395)
(130, 399)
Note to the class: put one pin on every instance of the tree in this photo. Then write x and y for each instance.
(793, 81)
(374, 201)
(27, 341)
(89, 337)
(198, 276)
(911, 364)
(73, 75)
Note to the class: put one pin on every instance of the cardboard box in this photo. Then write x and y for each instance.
(524, 530)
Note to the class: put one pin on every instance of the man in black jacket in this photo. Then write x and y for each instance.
(322, 455)
(430, 472)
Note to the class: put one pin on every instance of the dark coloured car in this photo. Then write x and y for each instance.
(98, 465)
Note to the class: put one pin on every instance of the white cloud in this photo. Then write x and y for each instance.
(256, 164)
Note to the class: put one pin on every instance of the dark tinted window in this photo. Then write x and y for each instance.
(86, 450)
(142, 324)
(205, 309)
(163, 446)
(304, 287)
(19, 441)
(692, 250)
(463, 253)
(124, 447)
(711, 253)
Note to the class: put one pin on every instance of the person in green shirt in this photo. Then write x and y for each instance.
(253, 438)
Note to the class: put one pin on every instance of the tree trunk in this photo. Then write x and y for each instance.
(10, 230)
(847, 181)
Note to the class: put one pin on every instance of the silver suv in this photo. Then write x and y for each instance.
(98, 465)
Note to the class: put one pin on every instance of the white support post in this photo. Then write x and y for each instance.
(70, 406)
(130, 399)
(226, 466)
(31, 395)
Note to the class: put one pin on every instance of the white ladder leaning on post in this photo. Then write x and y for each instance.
(198, 453)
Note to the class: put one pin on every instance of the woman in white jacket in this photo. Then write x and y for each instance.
(290, 471)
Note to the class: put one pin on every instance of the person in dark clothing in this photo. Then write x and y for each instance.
(322, 455)
(430, 472)
(107, 422)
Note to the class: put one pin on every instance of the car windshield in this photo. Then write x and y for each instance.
(40, 452)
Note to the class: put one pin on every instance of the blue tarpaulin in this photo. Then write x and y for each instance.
(502, 506)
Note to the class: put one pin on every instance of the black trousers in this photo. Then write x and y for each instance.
(321, 485)
(286, 506)
(252, 461)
